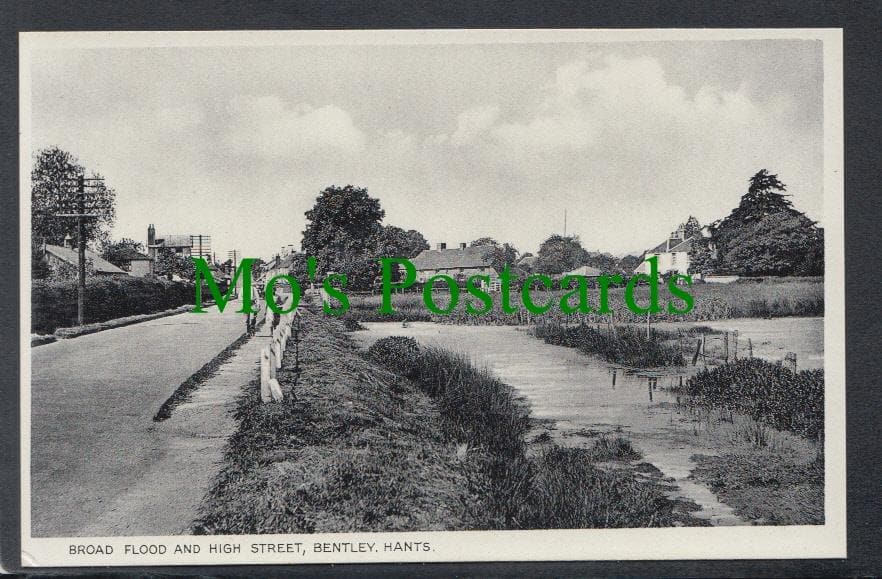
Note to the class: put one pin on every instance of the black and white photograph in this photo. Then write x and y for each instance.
(431, 295)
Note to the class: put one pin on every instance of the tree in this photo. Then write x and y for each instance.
(558, 254)
(342, 232)
(53, 191)
(499, 255)
(691, 228)
(765, 235)
(119, 253)
(169, 264)
(393, 241)
(702, 257)
(628, 264)
(605, 262)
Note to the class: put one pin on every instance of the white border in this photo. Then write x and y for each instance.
(756, 542)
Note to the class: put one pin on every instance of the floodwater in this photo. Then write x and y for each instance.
(580, 396)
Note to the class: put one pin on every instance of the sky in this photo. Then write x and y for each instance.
(457, 141)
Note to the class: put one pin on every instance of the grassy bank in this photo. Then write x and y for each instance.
(766, 488)
(352, 448)
(757, 297)
(433, 444)
(767, 475)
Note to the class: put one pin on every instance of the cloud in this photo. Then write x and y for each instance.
(471, 123)
(622, 103)
(268, 126)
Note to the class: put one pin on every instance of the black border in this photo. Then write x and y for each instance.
(862, 39)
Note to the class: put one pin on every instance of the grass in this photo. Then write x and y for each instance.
(766, 488)
(354, 448)
(757, 297)
(626, 345)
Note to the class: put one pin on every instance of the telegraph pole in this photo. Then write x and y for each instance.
(81, 250)
(81, 216)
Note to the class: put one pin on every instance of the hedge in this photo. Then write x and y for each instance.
(54, 303)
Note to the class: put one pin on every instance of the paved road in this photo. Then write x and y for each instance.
(92, 403)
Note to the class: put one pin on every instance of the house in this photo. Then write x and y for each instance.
(137, 264)
(460, 263)
(280, 264)
(64, 262)
(585, 270)
(182, 245)
(527, 262)
(672, 253)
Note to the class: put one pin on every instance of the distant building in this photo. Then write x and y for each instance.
(64, 262)
(460, 263)
(586, 271)
(136, 263)
(183, 245)
(528, 262)
(672, 253)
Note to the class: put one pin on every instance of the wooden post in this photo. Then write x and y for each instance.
(277, 351)
(749, 348)
(790, 361)
(726, 345)
(704, 349)
(265, 394)
(735, 339)
(647, 326)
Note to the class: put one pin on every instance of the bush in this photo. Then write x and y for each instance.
(54, 303)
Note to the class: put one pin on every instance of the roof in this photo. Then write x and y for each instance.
(130, 254)
(174, 241)
(585, 270)
(456, 258)
(529, 260)
(71, 257)
(684, 245)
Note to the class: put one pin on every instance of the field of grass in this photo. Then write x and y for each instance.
(759, 297)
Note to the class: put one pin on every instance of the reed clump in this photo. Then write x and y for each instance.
(765, 391)
(626, 345)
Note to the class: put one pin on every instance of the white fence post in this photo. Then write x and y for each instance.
(265, 375)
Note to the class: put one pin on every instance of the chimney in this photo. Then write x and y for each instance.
(151, 235)
(442, 246)
(462, 245)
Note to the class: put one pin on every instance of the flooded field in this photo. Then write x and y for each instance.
(578, 397)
